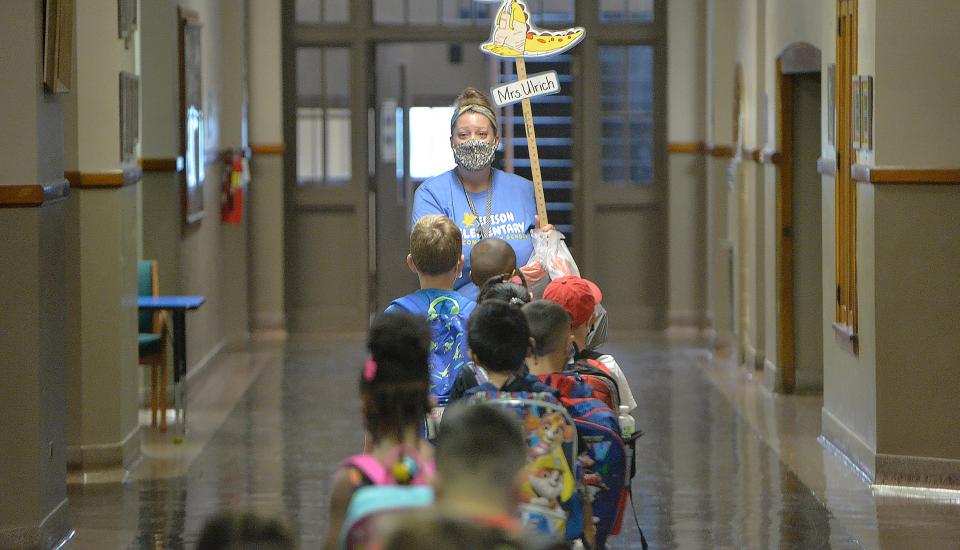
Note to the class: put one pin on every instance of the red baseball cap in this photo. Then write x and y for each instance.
(576, 295)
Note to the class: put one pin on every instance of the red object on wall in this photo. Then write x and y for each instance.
(234, 180)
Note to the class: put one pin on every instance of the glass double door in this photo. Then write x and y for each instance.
(367, 118)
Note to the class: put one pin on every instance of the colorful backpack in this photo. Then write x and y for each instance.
(550, 505)
(596, 374)
(448, 352)
(603, 456)
(381, 497)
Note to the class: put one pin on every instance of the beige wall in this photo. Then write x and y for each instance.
(208, 259)
(892, 401)
(267, 308)
(34, 509)
(686, 112)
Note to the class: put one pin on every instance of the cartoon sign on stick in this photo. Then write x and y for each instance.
(515, 37)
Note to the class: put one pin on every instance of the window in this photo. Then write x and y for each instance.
(634, 11)
(322, 11)
(464, 12)
(846, 188)
(323, 117)
(627, 106)
(430, 152)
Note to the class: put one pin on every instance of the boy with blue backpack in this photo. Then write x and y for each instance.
(436, 257)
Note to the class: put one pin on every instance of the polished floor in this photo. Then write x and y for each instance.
(723, 464)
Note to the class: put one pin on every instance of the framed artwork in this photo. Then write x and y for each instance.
(856, 108)
(832, 104)
(129, 116)
(126, 19)
(866, 115)
(191, 117)
(58, 45)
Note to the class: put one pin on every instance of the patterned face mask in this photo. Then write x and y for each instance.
(474, 155)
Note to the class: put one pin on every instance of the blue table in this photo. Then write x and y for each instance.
(178, 306)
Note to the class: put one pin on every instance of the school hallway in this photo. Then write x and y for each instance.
(723, 463)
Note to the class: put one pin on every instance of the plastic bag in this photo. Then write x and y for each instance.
(551, 259)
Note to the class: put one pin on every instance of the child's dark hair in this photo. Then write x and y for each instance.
(499, 287)
(480, 440)
(498, 336)
(549, 326)
(396, 386)
(439, 531)
(232, 530)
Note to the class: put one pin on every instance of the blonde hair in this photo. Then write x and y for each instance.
(435, 244)
(473, 100)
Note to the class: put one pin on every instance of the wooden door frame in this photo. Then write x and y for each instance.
(797, 58)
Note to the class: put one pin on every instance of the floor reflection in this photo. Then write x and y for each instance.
(709, 474)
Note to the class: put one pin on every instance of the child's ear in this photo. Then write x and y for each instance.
(410, 264)
(461, 264)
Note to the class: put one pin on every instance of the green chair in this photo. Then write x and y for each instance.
(153, 342)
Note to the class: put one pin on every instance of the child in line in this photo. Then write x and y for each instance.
(435, 256)
(579, 297)
(497, 288)
(489, 258)
(481, 458)
(499, 344)
(552, 346)
(394, 389)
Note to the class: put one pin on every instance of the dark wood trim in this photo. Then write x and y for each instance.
(721, 151)
(32, 196)
(827, 167)
(899, 175)
(770, 156)
(267, 149)
(104, 180)
(749, 155)
(689, 148)
(174, 164)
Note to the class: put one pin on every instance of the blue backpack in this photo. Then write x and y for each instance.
(448, 352)
(604, 457)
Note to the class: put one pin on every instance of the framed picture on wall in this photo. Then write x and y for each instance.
(191, 119)
(832, 104)
(856, 107)
(58, 45)
(129, 116)
(866, 114)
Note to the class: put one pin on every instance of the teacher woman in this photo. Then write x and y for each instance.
(483, 201)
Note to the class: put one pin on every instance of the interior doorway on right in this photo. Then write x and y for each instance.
(799, 224)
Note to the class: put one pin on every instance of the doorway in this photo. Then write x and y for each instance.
(363, 78)
(799, 260)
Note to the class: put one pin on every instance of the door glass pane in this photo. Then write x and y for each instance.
(635, 11)
(322, 11)
(432, 12)
(430, 152)
(323, 117)
(627, 106)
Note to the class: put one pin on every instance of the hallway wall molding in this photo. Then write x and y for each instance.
(52, 532)
(827, 167)
(33, 196)
(168, 164)
(261, 149)
(690, 148)
(91, 457)
(902, 175)
(113, 179)
(847, 442)
(917, 471)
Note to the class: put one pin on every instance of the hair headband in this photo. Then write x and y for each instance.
(475, 108)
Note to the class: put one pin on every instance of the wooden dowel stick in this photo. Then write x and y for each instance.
(532, 148)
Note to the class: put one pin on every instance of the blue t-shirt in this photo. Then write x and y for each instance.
(512, 212)
(431, 294)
